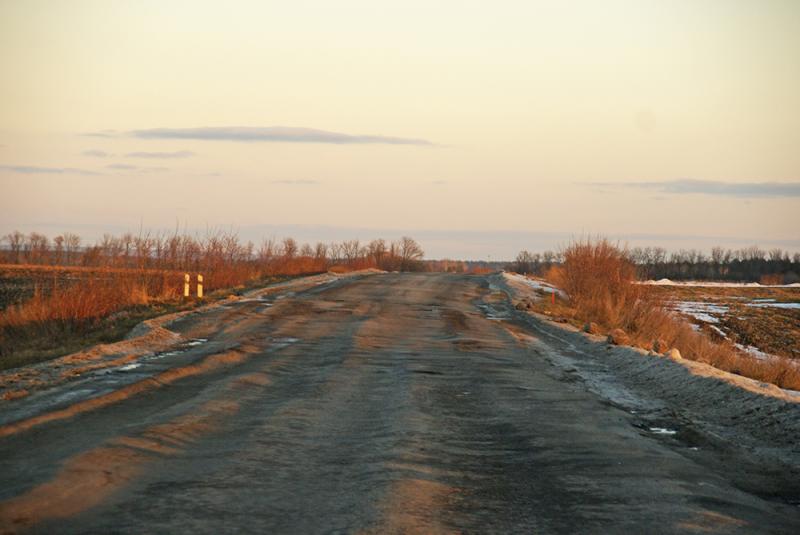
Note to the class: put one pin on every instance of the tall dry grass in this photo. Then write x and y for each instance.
(78, 306)
(91, 286)
(598, 278)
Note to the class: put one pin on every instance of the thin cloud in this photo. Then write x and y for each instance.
(122, 167)
(712, 187)
(283, 134)
(35, 170)
(96, 153)
(161, 155)
(103, 133)
(128, 167)
(299, 182)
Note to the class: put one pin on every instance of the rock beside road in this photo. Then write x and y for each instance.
(618, 337)
(524, 304)
(660, 346)
(591, 328)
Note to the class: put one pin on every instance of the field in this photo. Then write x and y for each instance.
(19, 283)
(762, 320)
(93, 305)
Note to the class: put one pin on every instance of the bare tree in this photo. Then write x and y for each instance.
(16, 241)
(410, 253)
(58, 250)
(38, 246)
(350, 251)
(289, 248)
(72, 243)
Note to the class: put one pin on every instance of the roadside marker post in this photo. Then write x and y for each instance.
(200, 286)
(186, 280)
(553, 297)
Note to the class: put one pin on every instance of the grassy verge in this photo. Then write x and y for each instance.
(599, 279)
(48, 338)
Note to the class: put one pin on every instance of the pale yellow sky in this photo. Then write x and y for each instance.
(628, 118)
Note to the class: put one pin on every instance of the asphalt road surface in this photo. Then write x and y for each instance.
(387, 403)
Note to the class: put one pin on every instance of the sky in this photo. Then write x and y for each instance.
(481, 128)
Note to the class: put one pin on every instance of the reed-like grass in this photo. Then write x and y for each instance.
(598, 278)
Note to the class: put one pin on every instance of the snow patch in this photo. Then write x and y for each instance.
(662, 431)
(717, 284)
(699, 310)
(765, 304)
(536, 284)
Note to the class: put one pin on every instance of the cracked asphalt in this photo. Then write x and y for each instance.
(383, 403)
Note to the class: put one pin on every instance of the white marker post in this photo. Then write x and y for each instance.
(186, 280)
(200, 286)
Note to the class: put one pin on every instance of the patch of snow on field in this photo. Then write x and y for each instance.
(774, 305)
(754, 351)
(712, 284)
(537, 284)
(718, 331)
(699, 310)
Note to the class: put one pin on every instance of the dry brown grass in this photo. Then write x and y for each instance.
(97, 296)
(599, 279)
(62, 312)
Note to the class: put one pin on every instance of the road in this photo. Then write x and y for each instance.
(386, 403)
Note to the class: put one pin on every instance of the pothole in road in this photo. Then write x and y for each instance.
(427, 372)
(280, 343)
(195, 342)
(492, 313)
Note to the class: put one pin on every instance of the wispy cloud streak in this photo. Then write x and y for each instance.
(94, 153)
(161, 155)
(712, 187)
(298, 182)
(128, 167)
(283, 134)
(35, 170)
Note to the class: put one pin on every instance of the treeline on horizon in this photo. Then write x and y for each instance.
(220, 255)
(750, 264)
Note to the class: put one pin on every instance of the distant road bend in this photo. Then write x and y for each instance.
(377, 403)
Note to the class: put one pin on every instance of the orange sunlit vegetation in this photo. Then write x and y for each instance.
(58, 287)
(599, 280)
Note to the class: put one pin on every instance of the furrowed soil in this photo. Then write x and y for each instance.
(767, 319)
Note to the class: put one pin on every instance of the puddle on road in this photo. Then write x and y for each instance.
(68, 396)
(493, 314)
(662, 431)
(280, 343)
(182, 349)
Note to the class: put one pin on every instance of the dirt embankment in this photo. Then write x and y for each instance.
(755, 424)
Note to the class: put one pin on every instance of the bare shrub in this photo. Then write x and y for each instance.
(597, 276)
